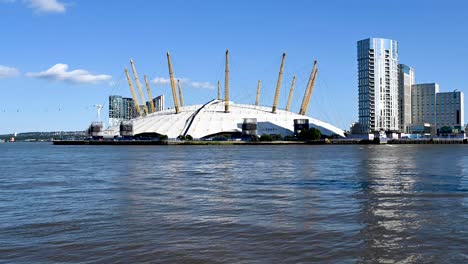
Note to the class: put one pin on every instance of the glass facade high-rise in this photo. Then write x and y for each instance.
(115, 109)
(120, 108)
(378, 84)
(405, 81)
(159, 103)
(115, 106)
(129, 110)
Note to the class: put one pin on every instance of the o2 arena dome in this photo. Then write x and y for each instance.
(210, 119)
(220, 116)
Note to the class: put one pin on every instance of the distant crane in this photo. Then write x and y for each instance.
(98, 109)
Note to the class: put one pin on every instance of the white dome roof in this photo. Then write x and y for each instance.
(200, 121)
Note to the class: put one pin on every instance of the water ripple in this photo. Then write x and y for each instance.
(233, 204)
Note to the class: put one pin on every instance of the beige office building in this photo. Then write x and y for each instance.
(423, 103)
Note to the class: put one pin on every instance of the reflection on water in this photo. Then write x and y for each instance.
(412, 200)
(267, 204)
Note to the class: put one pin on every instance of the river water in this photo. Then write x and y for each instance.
(233, 204)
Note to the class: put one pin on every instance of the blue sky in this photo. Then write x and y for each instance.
(41, 38)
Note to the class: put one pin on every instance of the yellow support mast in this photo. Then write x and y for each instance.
(173, 88)
(150, 96)
(219, 90)
(308, 90)
(132, 90)
(257, 98)
(226, 84)
(140, 91)
(278, 85)
(312, 85)
(180, 93)
(288, 105)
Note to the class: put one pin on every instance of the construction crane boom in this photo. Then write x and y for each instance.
(278, 85)
(288, 105)
(173, 89)
(132, 90)
(257, 98)
(138, 84)
(180, 93)
(150, 96)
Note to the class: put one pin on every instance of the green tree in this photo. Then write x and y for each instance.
(266, 137)
(310, 134)
(276, 137)
(446, 130)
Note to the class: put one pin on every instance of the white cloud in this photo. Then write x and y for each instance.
(203, 85)
(185, 81)
(46, 6)
(59, 72)
(42, 6)
(160, 81)
(6, 72)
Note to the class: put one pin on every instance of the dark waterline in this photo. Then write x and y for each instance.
(233, 204)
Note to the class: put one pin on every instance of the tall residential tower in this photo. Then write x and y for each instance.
(378, 84)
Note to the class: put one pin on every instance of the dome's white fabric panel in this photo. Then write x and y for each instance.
(203, 120)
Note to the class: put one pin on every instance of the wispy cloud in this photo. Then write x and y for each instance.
(42, 6)
(46, 6)
(185, 81)
(203, 85)
(59, 72)
(6, 72)
(160, 81)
